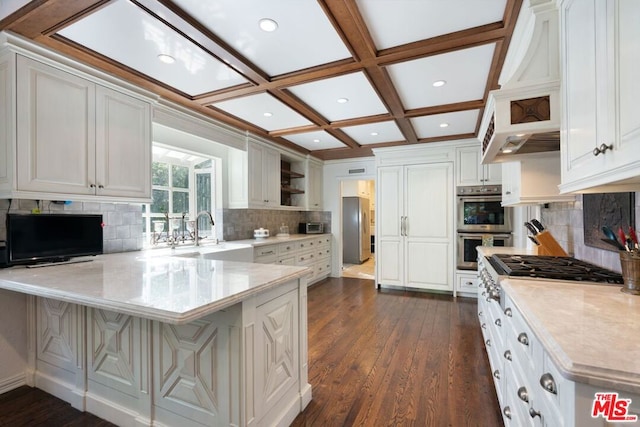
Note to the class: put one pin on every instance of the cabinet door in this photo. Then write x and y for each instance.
(314, 175)
(6, 119)
(55, 130)
(389, 239)
(492, 173)
(428, 226)
(584, 85)
(271, 178)
(469, 167)
(123, 145)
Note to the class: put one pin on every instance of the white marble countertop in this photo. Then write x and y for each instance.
(273, 240)
(152, 284)
(591, 332)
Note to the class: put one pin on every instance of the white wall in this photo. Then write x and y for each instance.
(334, 172)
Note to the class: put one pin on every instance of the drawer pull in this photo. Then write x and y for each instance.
(268, 253)
(488, 343)
(507, 412)
(508, 312)
(602, 149)
(533, 413)
(523, 339)
(507, 355)
(523, 395)
(496, 374)
(480, 314)
(483, 326)
(498, 322)
(468, 283)
(548, 383)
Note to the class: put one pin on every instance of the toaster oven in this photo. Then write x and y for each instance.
(311, 228)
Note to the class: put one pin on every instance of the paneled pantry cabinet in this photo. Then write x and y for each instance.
(414, 225)
(74, 138)
(600, 131)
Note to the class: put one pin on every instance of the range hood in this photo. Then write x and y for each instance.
(523, 116)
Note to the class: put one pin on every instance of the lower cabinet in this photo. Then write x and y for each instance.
(245, 365)
(467, 283)
(313, 252)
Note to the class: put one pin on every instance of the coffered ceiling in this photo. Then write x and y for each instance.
(335, 78)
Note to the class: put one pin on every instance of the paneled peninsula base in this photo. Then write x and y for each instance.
(245, 365)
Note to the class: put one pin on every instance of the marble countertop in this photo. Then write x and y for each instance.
(590, 331)
(152, 284)
(273, 240)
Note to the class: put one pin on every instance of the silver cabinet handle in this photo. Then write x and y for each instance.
(480, 314)
(507, 355)
(100, 186)
(507, 412)
(548, 383)
(602, 149)
(507, 192)
(523, 339)
(498, 322)
(488, 343)
(496, 374)
(533, 413)
(483, 326)
(508, 312)
(92, 186)
(523, 395)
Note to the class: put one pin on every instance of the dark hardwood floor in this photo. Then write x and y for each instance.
(376, 358)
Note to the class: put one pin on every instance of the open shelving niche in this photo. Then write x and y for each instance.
(292, 182)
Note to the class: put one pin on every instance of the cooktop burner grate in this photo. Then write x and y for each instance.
(551, 267)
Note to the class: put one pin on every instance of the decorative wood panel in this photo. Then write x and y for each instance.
(188, 368)
(56, 329)
(113, 348)
(279, 344)
(530, 110)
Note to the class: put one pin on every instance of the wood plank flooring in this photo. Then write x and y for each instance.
(376, 358)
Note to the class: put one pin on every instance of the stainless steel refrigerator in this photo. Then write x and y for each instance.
(356, 235)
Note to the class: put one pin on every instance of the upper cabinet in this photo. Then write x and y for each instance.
(314, 185)
(471, 172)
(74, 139)
(264, 176)
(600, 132)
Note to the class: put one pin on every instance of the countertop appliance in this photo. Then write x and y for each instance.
(356, 235)
(311, 228)
(44, 238)
(494, 268)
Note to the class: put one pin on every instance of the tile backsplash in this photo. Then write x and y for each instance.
(122, 222)
(238, 224)
(565, 222)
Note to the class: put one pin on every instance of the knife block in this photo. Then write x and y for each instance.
(549, 245)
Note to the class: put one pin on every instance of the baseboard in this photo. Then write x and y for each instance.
(11, 383)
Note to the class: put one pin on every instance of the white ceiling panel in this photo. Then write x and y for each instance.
(397, 22)
(318, 140)
(125, 33)
(465, 72)
(374, 133)
(263, 110)
(460, 122)
(323, 95)
(304, 37)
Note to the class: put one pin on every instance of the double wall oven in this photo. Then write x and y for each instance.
(481, 219)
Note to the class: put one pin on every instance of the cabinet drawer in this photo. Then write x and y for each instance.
(306, 244)
(306, 258)
(467, 283)
(286, 248)
(287, 260)
(261, 251)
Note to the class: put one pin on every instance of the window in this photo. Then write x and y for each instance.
(182, 184)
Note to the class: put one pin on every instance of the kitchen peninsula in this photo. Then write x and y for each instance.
(145, 338)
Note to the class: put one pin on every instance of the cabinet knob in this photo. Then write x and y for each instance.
(483, 326)
(533, 413)
(508, 312)
(507, 355)
(100, 186)
(507, 192)
(92, 186)
(498, 322)
(496, 374)
(602, 149)
(507, 412)
(548, 383)
(523, 395)
(488, 343)
(523, 339)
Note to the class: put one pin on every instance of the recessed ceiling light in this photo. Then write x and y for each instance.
(444, 125)
(507, 150)
(268, 25)
(267, 114)
(343, 100)
(439, 83)
(316, 140)
(520, 135)
(374, 133)
(167, 59)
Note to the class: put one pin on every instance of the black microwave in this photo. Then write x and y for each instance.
(311, 228)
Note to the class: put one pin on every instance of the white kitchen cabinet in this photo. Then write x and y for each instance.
(314, 185)
(414, 233)
(356, 188)
(76, 139)
(264, 176)
(600, 131)
(532, 180)
(467, 283)
(471, 172)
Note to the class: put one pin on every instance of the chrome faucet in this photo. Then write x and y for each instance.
(195, 226)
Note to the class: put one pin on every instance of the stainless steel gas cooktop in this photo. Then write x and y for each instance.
(551, 267)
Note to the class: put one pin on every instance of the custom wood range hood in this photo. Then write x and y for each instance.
(523, 116)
